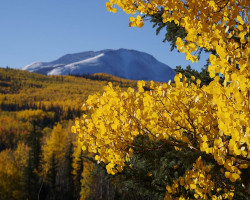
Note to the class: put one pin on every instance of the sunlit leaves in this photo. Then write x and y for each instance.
(200, 118)
(110, 7)
(136, 21)
(211, 120)
(219, 25)
(55, 145)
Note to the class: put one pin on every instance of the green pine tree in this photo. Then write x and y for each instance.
(69, 178)
(188, 72)
(31, 177)
(78, 178)
(51, 179)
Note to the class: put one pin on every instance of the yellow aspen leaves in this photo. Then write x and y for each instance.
(156, 114)
(212, 22)
(212, 120)
(240, 19)
(110, 7)
(136, 21)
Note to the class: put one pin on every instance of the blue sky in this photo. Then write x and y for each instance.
(44, 30)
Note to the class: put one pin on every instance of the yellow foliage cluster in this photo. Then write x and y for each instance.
(35, 112)
(55, 145)
(199, 181)
(208, 119)
(11, 165)
(25, 90)
(87, 180)
(213, 119)
(219, 25)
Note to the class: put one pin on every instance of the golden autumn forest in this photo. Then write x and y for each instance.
(39, 156)
(101, 137)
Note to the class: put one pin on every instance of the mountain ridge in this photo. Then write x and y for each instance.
(124, 63)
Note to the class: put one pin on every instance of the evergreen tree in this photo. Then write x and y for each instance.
(78, 178)
(69, 187)
(51, 179)
(172, 30)
(189, 72)
(31, 177)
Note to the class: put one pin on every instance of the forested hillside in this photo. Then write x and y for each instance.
(39, 156)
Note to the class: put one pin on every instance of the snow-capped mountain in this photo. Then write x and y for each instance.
(124, 63)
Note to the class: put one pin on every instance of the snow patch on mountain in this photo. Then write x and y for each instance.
(124, 63)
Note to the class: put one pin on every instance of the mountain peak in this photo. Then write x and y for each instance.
(124, 63)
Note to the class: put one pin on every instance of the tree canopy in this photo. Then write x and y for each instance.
(210, 122)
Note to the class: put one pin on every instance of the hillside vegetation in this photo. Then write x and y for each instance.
(39, 156)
